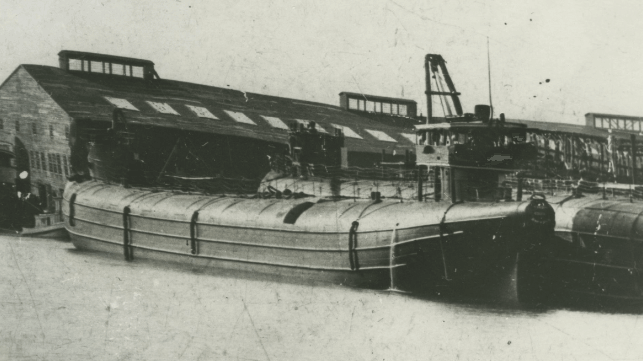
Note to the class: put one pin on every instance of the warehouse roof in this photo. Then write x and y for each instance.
(189, 106)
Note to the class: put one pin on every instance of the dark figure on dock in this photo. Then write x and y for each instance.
(29, 207)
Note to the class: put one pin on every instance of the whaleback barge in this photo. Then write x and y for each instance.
(287, 207)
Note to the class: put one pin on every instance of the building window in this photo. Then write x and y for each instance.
(51, 131)
(1, 123)
(118, 69)
(33, 158)
(164, 108)
(394, 109)
(121, 103)
(348, 132)
(306, 123)
(201, 112)
(67, 132)
(381, 135)
(17, 126)
(68, 162)
(402, 110)
(50, 163)
(597, 122)
(96, 66)
(386, 108)
(275, 122)
(66, 166)
(43, 162)
(370, 106)
(621, 124)
(352, 103)
(240, 117)
(360, 104)
(75, 64)
(378, 107)
(137, 71)
(59, 164)
(55, 163)
(34, 128)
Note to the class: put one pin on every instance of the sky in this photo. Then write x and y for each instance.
(590, 51)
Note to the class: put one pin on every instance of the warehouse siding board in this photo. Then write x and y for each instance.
(82, 96)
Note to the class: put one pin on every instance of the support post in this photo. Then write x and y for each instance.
(419, 183)
(633, 157)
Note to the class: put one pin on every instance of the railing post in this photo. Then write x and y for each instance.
(193, 241)
(352, 245)
(127, 248)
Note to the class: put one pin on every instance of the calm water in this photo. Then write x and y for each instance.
(60, 304)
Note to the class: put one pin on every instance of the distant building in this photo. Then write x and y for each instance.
(40, 104)
(617, 123)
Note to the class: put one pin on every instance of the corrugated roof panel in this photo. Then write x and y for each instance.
(381, 135)
(239, 117)
(121, 103)
(201, 112)
(348, 132)
(164, 108)
(409, 136)
(275, 122)
(317, 125)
